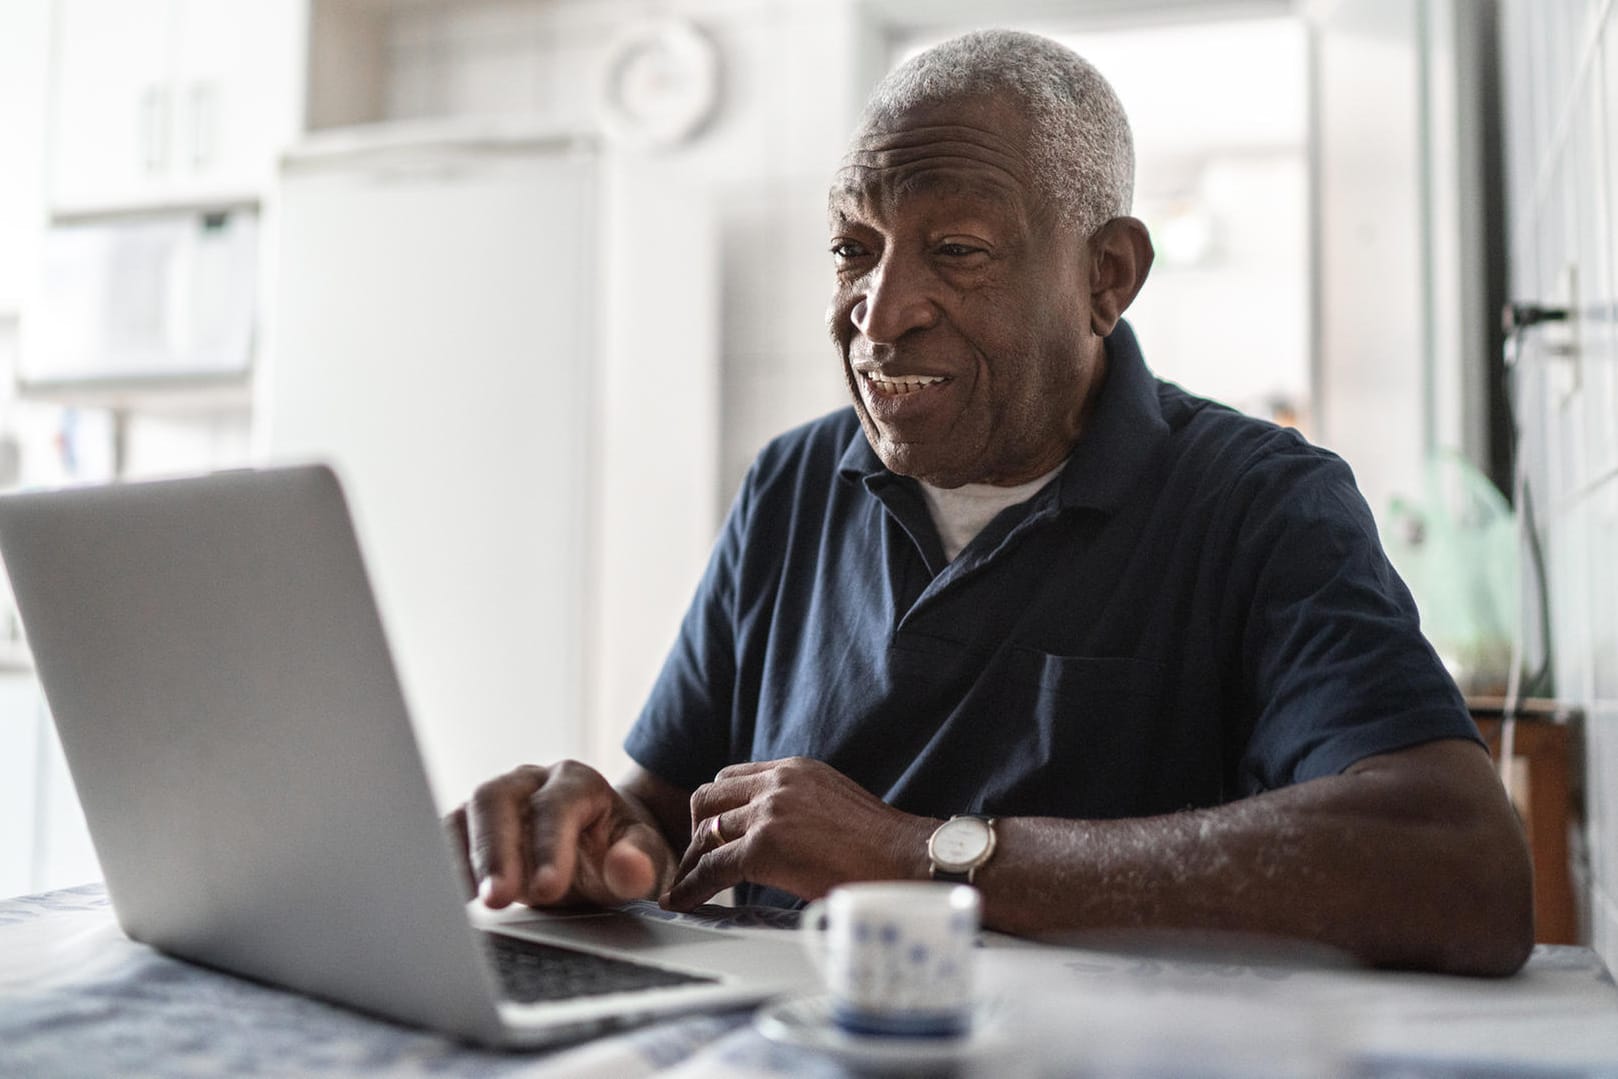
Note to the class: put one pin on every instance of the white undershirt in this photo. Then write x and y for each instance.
(959, 513)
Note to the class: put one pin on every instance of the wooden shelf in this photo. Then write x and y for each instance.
(1544, 745)
(1537, 708)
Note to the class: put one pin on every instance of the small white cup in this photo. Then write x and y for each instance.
(897, 957)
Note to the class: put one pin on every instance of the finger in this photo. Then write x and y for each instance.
(726, 793)
(628, 870)
(640, 861)
(746, 768)
(715, 871)
(497, 822)
(710, 833)
(573, 797)
(455, 825)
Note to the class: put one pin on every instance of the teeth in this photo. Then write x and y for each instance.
(902, 384)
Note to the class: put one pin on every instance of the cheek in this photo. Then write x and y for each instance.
(839, 320)
(1028, 379)
(1013, 353)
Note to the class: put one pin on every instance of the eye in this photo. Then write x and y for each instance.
(955, 249)
(842, 249)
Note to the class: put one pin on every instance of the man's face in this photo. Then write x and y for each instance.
(962, 307)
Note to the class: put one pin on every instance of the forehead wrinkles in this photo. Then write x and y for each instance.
(957, 161)
(894, 149)
(859, 191)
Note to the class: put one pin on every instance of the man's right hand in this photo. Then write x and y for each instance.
(560, 834)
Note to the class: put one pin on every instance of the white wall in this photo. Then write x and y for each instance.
(1371, 333)
(1561, 101)
(791, 85)
(1222, 149)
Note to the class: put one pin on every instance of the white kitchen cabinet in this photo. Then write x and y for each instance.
(112, 56)
(24, 35)
(159, 102)
(237, 71)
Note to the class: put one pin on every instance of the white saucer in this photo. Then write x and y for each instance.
(806, 1023)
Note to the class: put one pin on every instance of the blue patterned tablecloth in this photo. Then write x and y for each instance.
(78, 998)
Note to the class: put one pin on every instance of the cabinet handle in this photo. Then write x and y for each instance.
(154, 128)
(203, 119)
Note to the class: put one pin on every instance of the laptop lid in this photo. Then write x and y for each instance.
(212, 655)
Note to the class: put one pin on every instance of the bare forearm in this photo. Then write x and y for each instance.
(1425, 876)
(1412, 858)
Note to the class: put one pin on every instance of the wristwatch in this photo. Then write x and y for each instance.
(960, 847)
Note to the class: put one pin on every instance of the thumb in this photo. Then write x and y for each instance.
(628, 871)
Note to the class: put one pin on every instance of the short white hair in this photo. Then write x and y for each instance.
(1082, 152)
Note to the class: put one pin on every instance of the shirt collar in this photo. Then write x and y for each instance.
(1126, 427)
(1125, 430)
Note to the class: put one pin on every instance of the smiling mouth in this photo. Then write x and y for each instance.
(900, 385)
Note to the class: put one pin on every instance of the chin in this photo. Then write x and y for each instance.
(917, 467)
(915, 459)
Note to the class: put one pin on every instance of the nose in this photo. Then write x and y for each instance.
(895, 302)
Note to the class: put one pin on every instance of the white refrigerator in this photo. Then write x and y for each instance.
(475, 331)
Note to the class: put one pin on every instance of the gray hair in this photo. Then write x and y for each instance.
(1083, 155)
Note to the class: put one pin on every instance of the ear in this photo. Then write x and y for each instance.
(1120, 257)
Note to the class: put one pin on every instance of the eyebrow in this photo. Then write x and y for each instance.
(924, 181)
(933, 182)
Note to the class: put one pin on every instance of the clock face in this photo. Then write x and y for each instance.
(960, 842)
(661, 83)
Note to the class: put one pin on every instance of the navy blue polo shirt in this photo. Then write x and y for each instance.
(1197, 609)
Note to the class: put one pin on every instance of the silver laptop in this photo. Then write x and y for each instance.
(216, 666)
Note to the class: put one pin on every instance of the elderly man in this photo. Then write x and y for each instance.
(1028, 617)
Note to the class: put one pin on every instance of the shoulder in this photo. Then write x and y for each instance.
(789, 496)
(1222, 438)
(1242, 456)
(1251, 489)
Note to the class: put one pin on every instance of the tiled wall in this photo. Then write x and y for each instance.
(1561, 104)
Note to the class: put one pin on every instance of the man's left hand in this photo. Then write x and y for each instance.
(798, 825)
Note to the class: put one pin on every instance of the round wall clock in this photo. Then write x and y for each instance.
(660, 83)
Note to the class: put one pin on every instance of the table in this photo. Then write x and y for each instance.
(79, 998)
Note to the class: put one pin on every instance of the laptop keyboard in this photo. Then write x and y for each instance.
(531, 972)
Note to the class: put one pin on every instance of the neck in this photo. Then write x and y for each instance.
(1095, 378)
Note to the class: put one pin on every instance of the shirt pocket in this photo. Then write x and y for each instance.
(1083, 728)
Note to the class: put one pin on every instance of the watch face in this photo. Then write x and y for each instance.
(960, 843)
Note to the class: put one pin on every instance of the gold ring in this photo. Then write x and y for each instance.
(717, 830)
